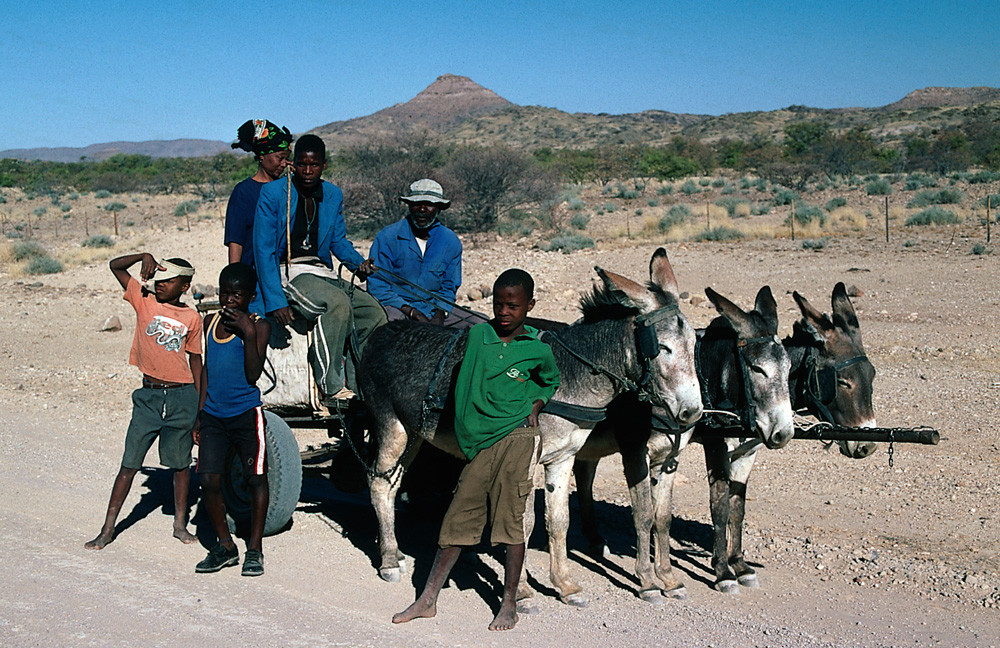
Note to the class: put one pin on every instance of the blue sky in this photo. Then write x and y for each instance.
(78, 73)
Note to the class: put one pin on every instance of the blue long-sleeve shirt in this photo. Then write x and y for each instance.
(438, 269)
(269, 236)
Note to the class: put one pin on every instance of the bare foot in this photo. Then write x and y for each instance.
(185, 536)
(505, 618)
(417, 610)
(100, 541)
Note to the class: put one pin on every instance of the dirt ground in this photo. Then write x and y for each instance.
(849, 552)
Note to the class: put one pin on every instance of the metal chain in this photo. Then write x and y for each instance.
(892, 434)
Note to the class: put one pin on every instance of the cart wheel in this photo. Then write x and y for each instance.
(284, 480)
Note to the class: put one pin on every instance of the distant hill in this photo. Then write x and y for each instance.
(182, 148)
(456, 109)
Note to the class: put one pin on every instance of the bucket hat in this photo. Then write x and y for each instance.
(426, 190)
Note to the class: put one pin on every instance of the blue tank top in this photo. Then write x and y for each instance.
(228, 393)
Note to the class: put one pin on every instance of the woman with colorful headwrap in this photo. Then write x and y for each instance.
(271, 147)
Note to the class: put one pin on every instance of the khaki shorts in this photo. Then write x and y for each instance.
(494, 488)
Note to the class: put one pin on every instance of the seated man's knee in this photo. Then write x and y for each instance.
(211, 482)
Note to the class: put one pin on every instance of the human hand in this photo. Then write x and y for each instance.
(413, 314)
(283, 316)
(196, 433)
(535, 411)
(236, 321)
(438, 317)
(366, 269)
(149, 267)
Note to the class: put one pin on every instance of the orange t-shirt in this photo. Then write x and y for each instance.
(163, 333)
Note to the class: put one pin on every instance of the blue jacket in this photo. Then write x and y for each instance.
(438, 270)
(269, 236)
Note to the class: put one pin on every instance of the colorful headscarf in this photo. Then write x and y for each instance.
(260, 137)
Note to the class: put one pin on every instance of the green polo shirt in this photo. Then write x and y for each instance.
(498, 384)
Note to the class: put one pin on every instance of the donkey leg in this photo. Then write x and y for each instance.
(585, 471)
(636, 465)
(392, 445)
(739, 476)
(663, 493)
(717, 466)
(557, 524)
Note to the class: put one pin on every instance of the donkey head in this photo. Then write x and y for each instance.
(844, 374)
(664, 339)
(766, 365)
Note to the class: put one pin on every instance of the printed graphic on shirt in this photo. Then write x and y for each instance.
(169, 333)
(517, 375)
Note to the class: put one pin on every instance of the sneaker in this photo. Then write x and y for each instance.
(217, 558)
(253, 563)
(335, 400)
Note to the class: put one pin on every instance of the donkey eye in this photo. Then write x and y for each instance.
(666, 348)
(758, 370)
(844, 383)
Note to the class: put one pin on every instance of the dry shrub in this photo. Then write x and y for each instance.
(846, 219)
(78, 256)
(6, 253)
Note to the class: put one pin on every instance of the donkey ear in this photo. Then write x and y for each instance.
(819, 323)
(661, 273)
(843, 308)
(627, 291)
(735, 315)
(768, 309)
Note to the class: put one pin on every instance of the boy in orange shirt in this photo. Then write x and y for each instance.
(167, 350)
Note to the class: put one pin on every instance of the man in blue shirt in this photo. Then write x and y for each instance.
(421, 250)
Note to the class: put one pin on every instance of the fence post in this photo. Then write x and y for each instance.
(988, 216)
(86, 224)
(116, 223)
(887, 219)
(791, 219)
(708, 217)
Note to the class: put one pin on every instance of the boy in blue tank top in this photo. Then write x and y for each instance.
(231, 416)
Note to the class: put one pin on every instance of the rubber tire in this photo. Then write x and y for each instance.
(284, 480)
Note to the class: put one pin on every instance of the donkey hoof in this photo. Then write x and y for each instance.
(728, 586)
(749, 580)
(403, 568)
(389, 574)
(527, 606)
(679, 593)
(651, 596)
(576, 600)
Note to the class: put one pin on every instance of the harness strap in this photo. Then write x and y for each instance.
(588, 416)
(434, 400)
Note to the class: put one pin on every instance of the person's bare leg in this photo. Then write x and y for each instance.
(506, 618)
(425, 606)
(119, 491)
(182, 481)
(259, 495)
(211, 493)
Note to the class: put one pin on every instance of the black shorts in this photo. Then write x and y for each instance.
(244, 431)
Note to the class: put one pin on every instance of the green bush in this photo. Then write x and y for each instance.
(569, 242)
(115, 206)
(576, 204)
(933, 216)
(28, 250)
(653, 202)
(665, 190)
(760, 209)
(744, 183)
(102, 193)
(39, 211)
(940, 197)
(815, 244)
(806, 213)
(918, 181)
(44, 265)
(731, 203)
(994, 201)
(675, 216)
(720, 234)
(65, 208)
(610, 207)
(785, 197)
(984, 177)
(834, 203)
(14, 235)
(728, 189)
(579, 221)
(761, 184)
(73, 196)
(187, 207)
(719, 183)
(704, 182)
(3, 198)
(879, 187)
(979, 249)
(99, 241)
(689, 188)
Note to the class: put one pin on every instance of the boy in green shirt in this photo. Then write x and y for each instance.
(506, 376)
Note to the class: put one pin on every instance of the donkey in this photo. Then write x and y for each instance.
(742, 367)
(831, 377)
(407, 366)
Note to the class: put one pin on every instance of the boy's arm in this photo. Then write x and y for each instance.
(255, 350)
(120, 265)
(202, 385)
